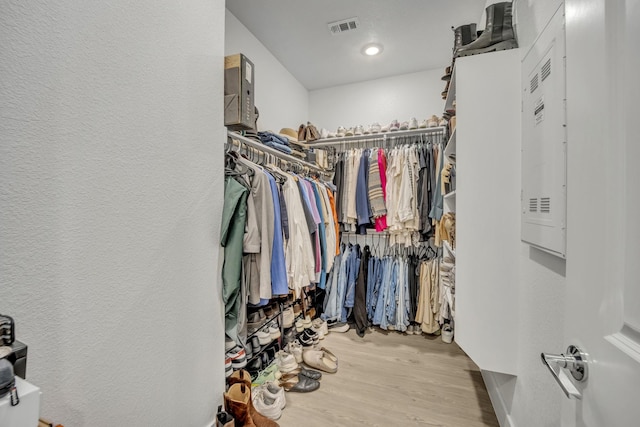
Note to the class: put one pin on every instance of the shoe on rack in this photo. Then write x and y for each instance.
(341, 131)
(308, 338)
(349, 132)
(331, 135)
(367, 130)
(228, 343)
(413, 123)
(320, 324)
(384, 128)
(238, 402)
(404, 126)
(224, 419)
(359, 130)
(338, 327)
(463, 35)
(298, 383)
(447, 74)
(423, 124)
(274, 331)
(447, 333)
(288, 317)
(299, 325)
(306, 322)
(266, 405)
(264, 336)
(238, 357)
(256, 319)
(394, 126)
(433, 121)
(442, 122)
(324, 134)
(498, 33)
(228, 369)
(376, 128)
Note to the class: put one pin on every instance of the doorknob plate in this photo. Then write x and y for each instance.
(579, 368)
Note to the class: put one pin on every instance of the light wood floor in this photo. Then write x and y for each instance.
(390, 379)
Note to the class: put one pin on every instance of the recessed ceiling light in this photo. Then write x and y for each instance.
(372, 49)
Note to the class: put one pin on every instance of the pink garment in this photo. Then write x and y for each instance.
(381, 222)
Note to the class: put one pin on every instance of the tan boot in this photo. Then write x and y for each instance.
(242, 377)
(237, 401)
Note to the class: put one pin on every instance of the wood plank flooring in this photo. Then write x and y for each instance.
(391, 379)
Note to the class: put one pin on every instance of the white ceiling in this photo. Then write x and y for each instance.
(416, 35)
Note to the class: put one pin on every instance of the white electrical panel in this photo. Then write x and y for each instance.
(544, 141)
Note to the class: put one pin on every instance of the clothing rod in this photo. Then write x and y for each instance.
(259, 146)
(376, 136)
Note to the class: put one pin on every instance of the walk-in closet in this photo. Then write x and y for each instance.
(224, 213)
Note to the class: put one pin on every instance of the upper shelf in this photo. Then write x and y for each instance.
(451, 94)
(375, 136)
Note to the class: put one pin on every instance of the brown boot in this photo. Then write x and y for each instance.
(242, 377)
(237, 402)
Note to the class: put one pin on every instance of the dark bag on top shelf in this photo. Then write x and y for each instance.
(8, 382)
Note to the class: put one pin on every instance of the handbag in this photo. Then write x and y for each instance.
(302, 133)
(312, 133)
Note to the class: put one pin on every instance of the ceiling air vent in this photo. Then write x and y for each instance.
(343, 25)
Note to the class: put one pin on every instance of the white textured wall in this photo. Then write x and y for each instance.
(382, 100)
(111, 194)
(280, 97)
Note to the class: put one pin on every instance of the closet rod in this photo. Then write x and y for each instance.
(372, 137)
(259, 146)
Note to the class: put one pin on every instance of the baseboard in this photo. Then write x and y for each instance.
(499, 405)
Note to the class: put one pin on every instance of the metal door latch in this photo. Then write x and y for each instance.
(575, 361)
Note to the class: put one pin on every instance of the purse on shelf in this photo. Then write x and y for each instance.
(302, 133)
(312, 133)
(8, 382)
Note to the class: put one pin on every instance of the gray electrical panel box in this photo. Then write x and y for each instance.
(544, 141)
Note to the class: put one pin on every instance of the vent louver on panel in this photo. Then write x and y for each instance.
(534, 83)
(546, 69)
(545, 204)
(343, 25)
(533, 205)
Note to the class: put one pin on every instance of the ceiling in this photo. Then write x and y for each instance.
(416, 35)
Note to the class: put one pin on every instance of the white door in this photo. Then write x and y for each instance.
(603, 224)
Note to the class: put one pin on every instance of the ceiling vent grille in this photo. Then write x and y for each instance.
(343, 25)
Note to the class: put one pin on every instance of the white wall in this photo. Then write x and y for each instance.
(533, 398)
(281, 99)
(382, 100)
(111, 192)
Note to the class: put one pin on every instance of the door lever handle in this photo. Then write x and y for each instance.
(575, 361)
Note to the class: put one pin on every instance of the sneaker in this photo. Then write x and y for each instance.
(367, 130)
(318, 330)
(447, 333)
(265, 405)
(331, 135)
(229, 344)
(299, 325)
(358, 130)
(274, 331)
(413, 123)
(409, 330)
(274, 391)
(384, 129)
(255, 344)
(264, 336)
(394, 126)
(306, 322)
(287, 317)
(349, 132)
(228, 367)
(324, 134)
(238, 357)
(338, 327)
(424, 124)
(442, 122)
(286, 362)
(256, 319)
(432, 121)
(321, 325)
(341, 131)
(417, 330)
(248, 350)
(295, 348)
(375, 127)
(404, 126)
(308, 338)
